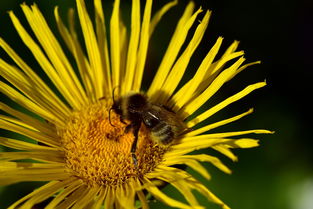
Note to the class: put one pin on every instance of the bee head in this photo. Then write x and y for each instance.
(136, 103)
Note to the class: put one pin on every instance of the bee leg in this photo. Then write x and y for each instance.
(122, 120)
(136, 127)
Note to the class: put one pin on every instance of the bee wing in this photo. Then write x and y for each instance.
(171, 118)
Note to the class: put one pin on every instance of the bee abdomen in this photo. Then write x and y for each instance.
(163, 132)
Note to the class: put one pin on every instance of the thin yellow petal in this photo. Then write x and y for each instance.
(222, 148)
(21, 145)
(71, 40)
(207, 193)
(110, 198)
(73, 197)
(218, 124)
(193, 143)
(41, 126)
(54, 52)
(87, 198)
(184, 94)
(41, 155)
(48, 193)
(192, 163)
(164, 198)
(180, 185)
(214, 70)
(212, 89)
(159, 14)
(32, 174)
(37, 191)
(33, 134)
(115, 44)
(237, 133)
(63, 194)
(123, 52)
(91, 47)
(25, 86)
(143, 46)
(125, 195)
(232, 48)
(225, 103)
(143, 200)
(201, 157)
(178, 38)
(103, 45)
(244, 67)
(181, 64)
(37, 81)
(27, 103)
(99, 202)
(44, 62)
(132, 48)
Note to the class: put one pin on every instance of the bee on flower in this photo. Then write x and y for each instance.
(95, 149)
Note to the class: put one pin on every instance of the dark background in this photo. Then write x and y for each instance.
(278, 174)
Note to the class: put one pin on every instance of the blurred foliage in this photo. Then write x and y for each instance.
(274, 175)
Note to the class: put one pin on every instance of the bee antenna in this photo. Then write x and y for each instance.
(112, 108)
(114, 92)
(110, 117)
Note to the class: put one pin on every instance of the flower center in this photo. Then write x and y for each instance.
(99, 153)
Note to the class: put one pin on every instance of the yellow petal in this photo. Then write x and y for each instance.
(125, 195)
(27, 103)
(185, 93)
(212, 89)
(143, 200)
(143, 46)
(41, 155)
(218, 124)
(91, 47)
(103, 46)
(33, 134)
(132, 48)
(201, 157)
(44, 62)
(21, 145)
(225, 103)
(222, 148)
(54, 52)
(71, 40)
(178, 38)
(73, 197)
(99, 202)
(159, 14)
(21, 174)
(207, 193)
(63, 194)
(43, 127)
(36, 80)
(115, 44)
(42, 189)
(87, 197)
(110, 198)
(164, 198)
(235, 133)
(192, 163)
(180, 185)
(181, 64)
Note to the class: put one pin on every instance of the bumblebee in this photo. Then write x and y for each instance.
(164, 124)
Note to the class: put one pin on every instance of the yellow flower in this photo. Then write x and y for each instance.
(87, 160)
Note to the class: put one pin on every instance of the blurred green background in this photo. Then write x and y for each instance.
(279, 173)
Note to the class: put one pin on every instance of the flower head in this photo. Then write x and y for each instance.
(86, 150)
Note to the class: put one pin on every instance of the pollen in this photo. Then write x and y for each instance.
(97, 147)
